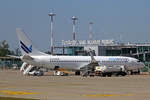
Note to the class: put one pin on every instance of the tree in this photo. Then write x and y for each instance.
(17, 52)
(4, 49)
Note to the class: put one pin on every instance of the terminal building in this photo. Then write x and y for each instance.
(140, 51)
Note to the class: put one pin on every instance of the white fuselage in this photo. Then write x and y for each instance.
(77, 62)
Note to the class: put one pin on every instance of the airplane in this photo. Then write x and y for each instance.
(32, 57)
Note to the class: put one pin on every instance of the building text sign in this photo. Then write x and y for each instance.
(86, 42)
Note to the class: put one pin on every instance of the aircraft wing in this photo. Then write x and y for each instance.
(90, 66)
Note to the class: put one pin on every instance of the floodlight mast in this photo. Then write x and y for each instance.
(90, 36)
(51, 30)
(73, 22)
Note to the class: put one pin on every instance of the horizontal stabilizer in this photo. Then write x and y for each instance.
(12, 56)
(27, 57)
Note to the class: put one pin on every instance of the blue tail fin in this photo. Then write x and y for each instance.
(25, 44)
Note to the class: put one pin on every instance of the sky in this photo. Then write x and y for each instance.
(121, 20)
